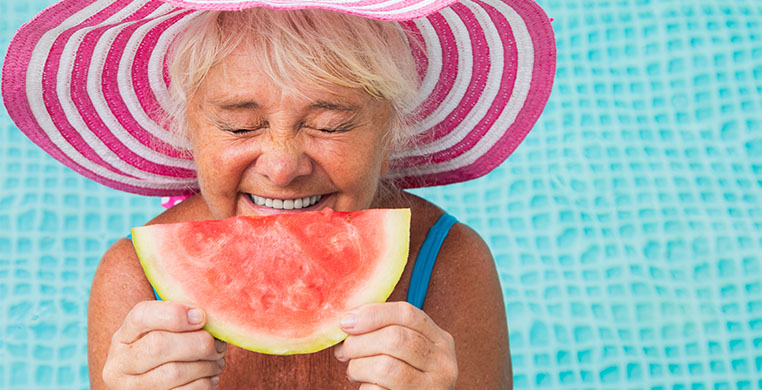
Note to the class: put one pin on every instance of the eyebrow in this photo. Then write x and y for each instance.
(324, 105)
(244, 105)
(318, 105)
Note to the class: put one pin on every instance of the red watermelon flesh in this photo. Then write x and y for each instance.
(278, 284)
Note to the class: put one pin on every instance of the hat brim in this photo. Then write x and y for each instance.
(87, 82)
(395, 10)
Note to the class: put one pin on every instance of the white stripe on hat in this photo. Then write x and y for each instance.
(455, 94)
(156, 68)
(125, 82)
(94, 85)
(434, 67)
(465, 67)
(66, 68)
(37, 106)
(525, 63)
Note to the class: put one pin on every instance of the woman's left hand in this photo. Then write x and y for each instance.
(395, 346)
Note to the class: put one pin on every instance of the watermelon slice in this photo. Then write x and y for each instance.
(278, 284)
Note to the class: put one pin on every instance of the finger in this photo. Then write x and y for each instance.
(385, 371)
(373, 316)
(176, 374)
(397, 341)
(158, 347)
(371, 386)
(159, 315)
(201, 384)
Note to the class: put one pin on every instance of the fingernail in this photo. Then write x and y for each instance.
(348, 321)
(340, 352)
(195, 316)
(221, 363)
(215, 381)
(220, 345)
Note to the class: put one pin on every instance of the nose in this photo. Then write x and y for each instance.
(282, 160)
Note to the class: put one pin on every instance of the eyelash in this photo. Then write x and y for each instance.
(339, 129)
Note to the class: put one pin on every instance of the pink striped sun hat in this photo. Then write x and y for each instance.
(87, 82)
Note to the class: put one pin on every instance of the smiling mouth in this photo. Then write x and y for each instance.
(286, 204)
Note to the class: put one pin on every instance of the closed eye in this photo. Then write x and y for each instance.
(240, 130)
(331, 130)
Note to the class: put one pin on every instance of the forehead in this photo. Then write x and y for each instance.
(239, 78)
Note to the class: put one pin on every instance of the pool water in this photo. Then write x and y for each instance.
(627, 228)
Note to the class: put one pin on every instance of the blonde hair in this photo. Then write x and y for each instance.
(292, 47)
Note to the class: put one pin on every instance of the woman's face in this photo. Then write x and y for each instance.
(259, 151)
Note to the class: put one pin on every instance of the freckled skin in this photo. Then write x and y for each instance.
(284, 155)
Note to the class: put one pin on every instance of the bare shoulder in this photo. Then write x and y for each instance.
(119, 272)
(464, 272)
(465, 299)
(120, 268)
(119, 283)
(463, 251)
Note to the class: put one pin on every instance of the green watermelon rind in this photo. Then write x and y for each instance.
(378, 289)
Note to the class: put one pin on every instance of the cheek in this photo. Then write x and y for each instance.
(207, 164)
(355, 165)
(220, 167)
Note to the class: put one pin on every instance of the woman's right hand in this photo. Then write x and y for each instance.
(161, 345)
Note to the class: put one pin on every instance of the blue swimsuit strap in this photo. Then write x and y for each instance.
(427, 256)
(424, 263)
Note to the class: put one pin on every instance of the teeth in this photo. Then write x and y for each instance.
(288, 204)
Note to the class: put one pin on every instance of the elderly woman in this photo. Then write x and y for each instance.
(265, 110)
